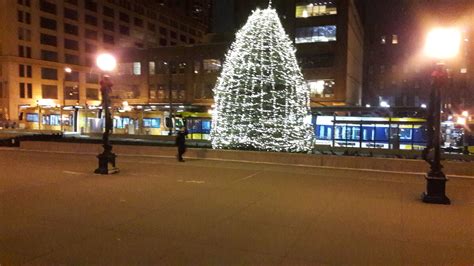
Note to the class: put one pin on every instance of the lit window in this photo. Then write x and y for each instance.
(321, 88)
(151, 68)
(316, 34)
(211, 65)
(383, 40)
(463, 70)
(316, 8)
(137, 68)
(394, 39)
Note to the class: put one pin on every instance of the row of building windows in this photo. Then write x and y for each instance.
(384, 39)
(316, 8)
(25, 71)
(315, 34)
(107, 25)
(162, 67)
(51, 92)
(72, 14)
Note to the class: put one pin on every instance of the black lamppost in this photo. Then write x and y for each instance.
(170, 95)
(441, 44)
(106, 62)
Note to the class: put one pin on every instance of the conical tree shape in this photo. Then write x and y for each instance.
(261, 100)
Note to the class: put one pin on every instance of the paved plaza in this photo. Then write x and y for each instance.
(157, 211)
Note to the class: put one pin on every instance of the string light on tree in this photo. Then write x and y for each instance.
(262, 101)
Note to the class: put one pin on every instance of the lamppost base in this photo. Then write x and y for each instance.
(435, 190)
(106, 160)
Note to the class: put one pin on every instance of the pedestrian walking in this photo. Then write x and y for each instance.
(181, 143)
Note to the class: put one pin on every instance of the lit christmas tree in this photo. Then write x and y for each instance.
(261, 99)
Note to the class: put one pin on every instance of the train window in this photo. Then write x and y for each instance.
(54, 120)
(368, 133)
(355, 133)
(339, 131)
(30, 117)
(151, 122)
(381, 134)
(206, 125)
(405, 133)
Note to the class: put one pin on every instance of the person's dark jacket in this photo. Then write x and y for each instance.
(181, 139)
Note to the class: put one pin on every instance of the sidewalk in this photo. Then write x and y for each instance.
(157, 211)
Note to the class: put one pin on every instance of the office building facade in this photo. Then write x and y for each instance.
(45, 37)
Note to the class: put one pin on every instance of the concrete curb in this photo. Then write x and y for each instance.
(331, 161)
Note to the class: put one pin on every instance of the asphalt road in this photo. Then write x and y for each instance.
(54, 210)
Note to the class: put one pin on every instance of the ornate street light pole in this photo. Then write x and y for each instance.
(441, 44)
(106, 63)
(67, 71)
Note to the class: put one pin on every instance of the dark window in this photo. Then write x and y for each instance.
(71, 29)
(49, 55)
(108, 25)
(27, 18)
(109, 39)
(70, 14)
(73, 2)
(71, 44)
(182, 38)
(151, 14)
(24, 71)
(47, 39)
(24, 35)
(24, 17)
(92, 78)
(91, 34)
(24, 2)
(163, 31)
(22, 90)
(139, 9)
(47, 7)
(107, 11)
(24, 51)
(90, 48)
(49, 73)
(173, 24)
(71, 93)
(92, 94)
(138, 22)
(21, 70)
(164, 20)
(151, 26)
(48, 23)
(192, 41)
(91, 20)
(173, 35)
(173, 43)
(163, 42)
(71, 59)
(49, 91)
(90, 5)
(322, 60)
(124, 17)
(139, 45)
(29, 72)
(29, 90)
(73, 76)
(124, 30)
